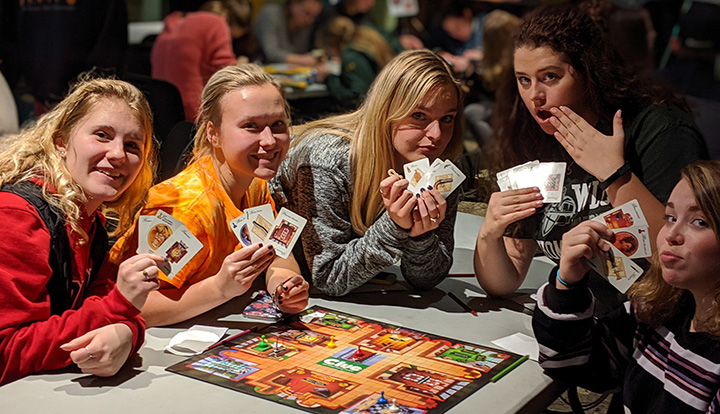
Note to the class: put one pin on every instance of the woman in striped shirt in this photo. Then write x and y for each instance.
(663, 347)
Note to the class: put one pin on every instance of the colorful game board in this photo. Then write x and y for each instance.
(291, 363)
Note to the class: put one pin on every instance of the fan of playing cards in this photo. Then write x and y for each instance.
(164, 235)
(259, 224)
(631, 241)
(549, 177)
(442, 175)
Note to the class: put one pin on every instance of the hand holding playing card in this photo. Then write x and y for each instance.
(399, 202)
(598, 154)
(582, 243)
(240, 268)
(430, 212)
(507, 207)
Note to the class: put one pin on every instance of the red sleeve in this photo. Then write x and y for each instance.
(30, 337)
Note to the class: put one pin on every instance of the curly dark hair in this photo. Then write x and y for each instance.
(608, 84)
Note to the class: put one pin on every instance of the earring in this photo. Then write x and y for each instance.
(62, 153)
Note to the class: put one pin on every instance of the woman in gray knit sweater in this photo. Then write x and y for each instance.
(360, 220)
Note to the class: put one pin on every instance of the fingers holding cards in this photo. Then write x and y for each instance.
(164, 235)
(281, 232)
(549, 177)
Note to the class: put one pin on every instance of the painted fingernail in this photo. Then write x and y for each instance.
(430, 187)
(422, 190)
(270, 246)
(165, 259)
(417, 195)
(260, 244)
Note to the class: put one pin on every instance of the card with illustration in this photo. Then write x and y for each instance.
(160, 229)
(285, 232)
(178, 250)
(260, 220)
(619, 270)
(633, 242)
(415, 174)
(241, 228)
(627, 215)
(144, 224)
(628, 223)
(447, 170)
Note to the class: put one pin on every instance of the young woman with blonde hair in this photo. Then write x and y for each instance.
(242, 138)
(91, 155)
(665, 341)
(336, 175)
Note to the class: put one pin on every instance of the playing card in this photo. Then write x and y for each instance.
(161, 229)
(285, 232)
(619, 270)
(549, 177)
(447, 178)
(241, 228)
(415, 173)
(627, 215)
(262, 307)
(178, 250)
(144, 224)
(508, 179)
(260, 220)
(633, 242)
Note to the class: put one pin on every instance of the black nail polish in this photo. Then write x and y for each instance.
(430, 187)
(422, 190)
(417, 195)
(260, 245)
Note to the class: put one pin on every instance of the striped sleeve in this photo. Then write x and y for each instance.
(573, 343)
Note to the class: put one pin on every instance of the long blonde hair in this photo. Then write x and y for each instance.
(33, 153)
(396, 92)
(221, 83)
(341, 32)
(656, 301)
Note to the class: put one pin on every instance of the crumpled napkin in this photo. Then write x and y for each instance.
(195, 340)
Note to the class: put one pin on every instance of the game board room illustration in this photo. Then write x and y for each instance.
(324, 361)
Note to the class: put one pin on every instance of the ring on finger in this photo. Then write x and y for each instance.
(146, 275)
(382, 192)
(433, 219)
(90, 355)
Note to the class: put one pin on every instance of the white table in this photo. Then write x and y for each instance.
(148, 388)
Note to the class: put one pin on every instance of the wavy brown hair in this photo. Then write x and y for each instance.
(654, 300)
(608, 84)
(33, 153)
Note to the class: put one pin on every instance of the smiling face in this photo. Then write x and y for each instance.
(253, 137)
(104, 152)
(688, 247)
(545, 81)
(426, 132)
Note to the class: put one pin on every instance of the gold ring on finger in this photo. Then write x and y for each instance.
(146, 275)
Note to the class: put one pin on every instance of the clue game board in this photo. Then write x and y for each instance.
(324, 361)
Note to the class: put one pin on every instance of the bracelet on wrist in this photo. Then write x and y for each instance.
(564, 283)
(615, 176)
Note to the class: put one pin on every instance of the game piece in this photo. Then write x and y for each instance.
(426, 373)
(393, 407)
(332, 344)
(263, 345)
(382, 399)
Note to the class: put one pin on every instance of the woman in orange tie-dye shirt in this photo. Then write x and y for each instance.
(242, 137)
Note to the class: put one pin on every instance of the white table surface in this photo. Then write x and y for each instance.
(143, 386)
